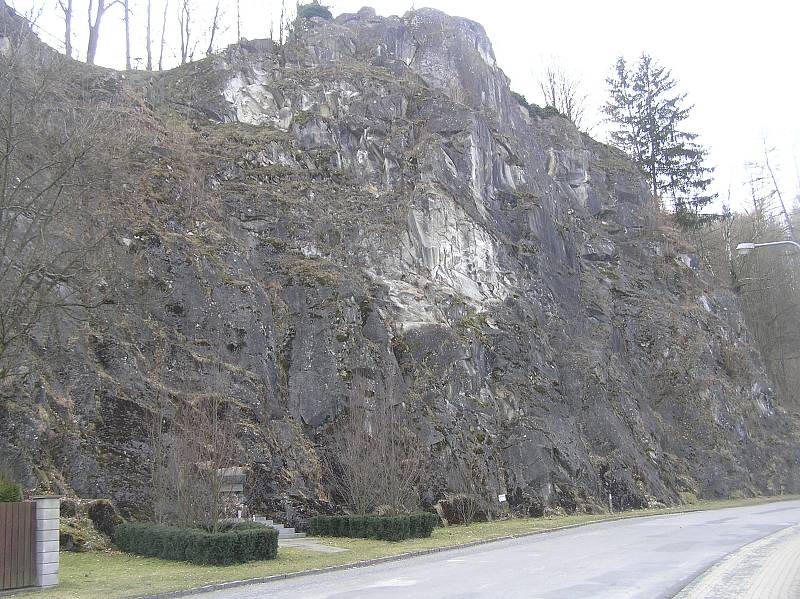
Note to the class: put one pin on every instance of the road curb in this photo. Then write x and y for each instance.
(221, 586)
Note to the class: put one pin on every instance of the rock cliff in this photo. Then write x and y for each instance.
(372, 197)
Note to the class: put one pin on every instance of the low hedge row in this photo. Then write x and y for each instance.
(197, 546)
(385, 528)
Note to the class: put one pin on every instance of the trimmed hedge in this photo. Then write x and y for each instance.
(384, 528)
(197, 546)
(243, 525)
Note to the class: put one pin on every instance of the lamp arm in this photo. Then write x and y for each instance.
(768, 243)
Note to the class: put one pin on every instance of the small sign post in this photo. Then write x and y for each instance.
(501, 497)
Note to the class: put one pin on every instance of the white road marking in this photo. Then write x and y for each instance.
(394, 582)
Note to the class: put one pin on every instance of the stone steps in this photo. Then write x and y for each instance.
(283, 531)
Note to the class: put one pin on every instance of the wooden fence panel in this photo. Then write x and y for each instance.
(5, 546)
(16, 545)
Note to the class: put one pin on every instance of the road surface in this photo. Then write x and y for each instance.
(648, 557)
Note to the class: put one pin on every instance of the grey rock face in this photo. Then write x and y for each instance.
(383, 204)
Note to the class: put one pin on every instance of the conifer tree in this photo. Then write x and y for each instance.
(649, 114)
(622, 110)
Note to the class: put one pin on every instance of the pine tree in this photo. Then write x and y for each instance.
(622, 109)
(649, 115)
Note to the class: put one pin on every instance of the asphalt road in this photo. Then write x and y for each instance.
(644, 557)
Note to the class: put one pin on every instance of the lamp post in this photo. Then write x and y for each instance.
(745, 248)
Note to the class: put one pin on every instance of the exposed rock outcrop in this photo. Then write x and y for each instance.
(374, 198)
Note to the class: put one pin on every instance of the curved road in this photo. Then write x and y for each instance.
(642, 557)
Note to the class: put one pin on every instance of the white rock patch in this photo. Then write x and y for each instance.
(454, 251)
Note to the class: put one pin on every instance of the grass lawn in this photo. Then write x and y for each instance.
(115, 575)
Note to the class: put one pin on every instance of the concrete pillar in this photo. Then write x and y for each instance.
(46, 542)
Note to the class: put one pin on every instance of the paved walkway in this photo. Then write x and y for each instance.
(767, 568)
(647, 558)
(311, 544)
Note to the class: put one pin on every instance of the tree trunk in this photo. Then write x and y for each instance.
(91, 48)
(784, 211)
(94, 27)
(280, 23)
(149, 40)
(67, 8)
(214, 26)
(127, 35)
(163, 36)
(184, 20)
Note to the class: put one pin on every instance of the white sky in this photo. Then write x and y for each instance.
(738, 61)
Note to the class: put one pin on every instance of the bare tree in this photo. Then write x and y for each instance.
(466, 500)
(770, 293)
(350, 460)
(66, 7)
(95, 17)
(149, 35)
(201, 453)
(284, 32)
(238, 21)
(193, 439)
(213, 30)
(797, 178)
(767, 281)
(398, 450)
(185, 23)
(127, 21)
(563, 92)
(163, 36)
(44, 148)
(375, 460)
(777, 191)
(271, 25)
(281, 39)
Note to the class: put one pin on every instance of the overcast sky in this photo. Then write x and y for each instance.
(738, 61)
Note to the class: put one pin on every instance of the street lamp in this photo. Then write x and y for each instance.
(745, 248)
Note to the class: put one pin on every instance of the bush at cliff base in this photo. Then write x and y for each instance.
(9, 491)
(197, 546)
(384, 528)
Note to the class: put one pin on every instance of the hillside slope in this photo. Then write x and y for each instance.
(371, 198)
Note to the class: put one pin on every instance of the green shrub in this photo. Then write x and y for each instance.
(358, 526)
(520, 99)
(534, 110)
(104, 516)
(384, 528)
(234, 546)
(394, 528)
(423, 523)
(306, 11)
(9, 491)
(546, 112)
(225, 526)
(247, 526)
